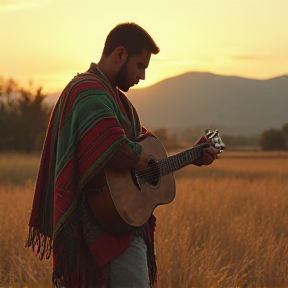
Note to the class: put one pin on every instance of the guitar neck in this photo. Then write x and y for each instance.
(180, 160)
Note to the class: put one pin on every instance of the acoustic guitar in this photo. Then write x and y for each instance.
(130, 197)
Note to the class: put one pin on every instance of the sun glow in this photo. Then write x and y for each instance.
(49, 41)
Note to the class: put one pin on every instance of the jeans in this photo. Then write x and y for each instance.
(130, 270)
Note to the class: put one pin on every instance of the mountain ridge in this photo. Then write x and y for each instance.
(234, 104)
(238, 105)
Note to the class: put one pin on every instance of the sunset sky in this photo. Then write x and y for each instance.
(49, 41)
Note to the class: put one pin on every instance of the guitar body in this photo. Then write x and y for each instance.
(124, 203)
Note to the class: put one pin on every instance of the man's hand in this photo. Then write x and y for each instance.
(209, 153)
(143, 162)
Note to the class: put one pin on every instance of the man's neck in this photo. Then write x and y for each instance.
(105, 68)
(95, 69)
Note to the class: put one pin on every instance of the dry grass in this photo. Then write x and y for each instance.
(227, 226)
(18, 168)
(18, 267)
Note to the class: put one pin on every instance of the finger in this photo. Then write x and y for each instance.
(208, 152)
(213, 151)
(209, 157)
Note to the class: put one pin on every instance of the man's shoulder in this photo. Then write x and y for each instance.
(86, 81)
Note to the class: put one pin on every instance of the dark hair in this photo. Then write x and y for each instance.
(131, 36)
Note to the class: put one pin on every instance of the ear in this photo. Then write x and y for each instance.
(120, 55)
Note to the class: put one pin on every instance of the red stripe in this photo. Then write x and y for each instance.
(78, 88)
(94, 144)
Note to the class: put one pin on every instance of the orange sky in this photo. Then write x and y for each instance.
(49, 41)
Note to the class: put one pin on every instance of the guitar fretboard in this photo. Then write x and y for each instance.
(180, 160)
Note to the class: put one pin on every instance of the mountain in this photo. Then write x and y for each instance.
(233, 104)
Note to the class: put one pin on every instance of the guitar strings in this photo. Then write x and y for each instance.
(150, 176)
(151, 173)
(150, 170)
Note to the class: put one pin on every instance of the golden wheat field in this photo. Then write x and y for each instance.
(227, 227)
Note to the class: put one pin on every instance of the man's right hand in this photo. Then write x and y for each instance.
(143, 162)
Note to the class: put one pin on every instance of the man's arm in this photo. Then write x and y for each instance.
(125, 157)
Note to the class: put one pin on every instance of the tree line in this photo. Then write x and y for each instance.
(24, 118)
(275, 139)
(268, 140)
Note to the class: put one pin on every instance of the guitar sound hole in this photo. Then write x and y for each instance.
(152, 175)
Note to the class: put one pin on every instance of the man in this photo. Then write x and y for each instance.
(94, 126)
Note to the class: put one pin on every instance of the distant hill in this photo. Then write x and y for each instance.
(233, 104)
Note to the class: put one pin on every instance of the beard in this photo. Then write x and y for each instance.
(122, 79)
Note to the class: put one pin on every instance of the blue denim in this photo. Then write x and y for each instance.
(130, 270)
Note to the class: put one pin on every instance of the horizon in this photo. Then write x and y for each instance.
(190, 72)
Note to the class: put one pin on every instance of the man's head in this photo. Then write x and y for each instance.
(132, 37)
(126, 55)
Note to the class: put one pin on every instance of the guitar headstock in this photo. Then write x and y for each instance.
(216, 140)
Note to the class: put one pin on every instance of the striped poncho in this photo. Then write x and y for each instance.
(88, 124)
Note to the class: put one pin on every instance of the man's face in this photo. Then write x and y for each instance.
(133, 70)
